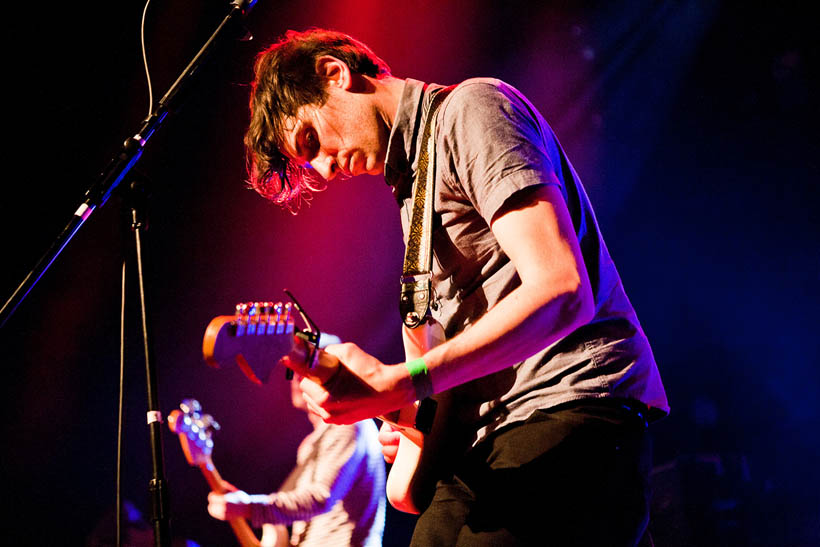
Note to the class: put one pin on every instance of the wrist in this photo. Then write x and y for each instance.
(419, 376)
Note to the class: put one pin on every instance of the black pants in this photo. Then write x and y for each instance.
(576, 475)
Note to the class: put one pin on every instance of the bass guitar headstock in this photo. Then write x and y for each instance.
(195, 431)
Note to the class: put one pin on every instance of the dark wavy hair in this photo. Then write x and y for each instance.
(285, 80)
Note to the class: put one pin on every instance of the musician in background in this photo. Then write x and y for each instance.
(333, 496)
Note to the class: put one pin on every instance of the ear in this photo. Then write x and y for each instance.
(334, 71)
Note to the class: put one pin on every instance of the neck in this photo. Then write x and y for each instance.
(388, 95)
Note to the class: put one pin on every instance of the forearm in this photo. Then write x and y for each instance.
(526, 321)
(287, 507)
(553, 299)
(317, 488)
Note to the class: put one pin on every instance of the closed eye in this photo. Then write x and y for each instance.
(310, 144)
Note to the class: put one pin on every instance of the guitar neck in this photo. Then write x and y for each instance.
(194, 429)
(212, 476)
(241, 529)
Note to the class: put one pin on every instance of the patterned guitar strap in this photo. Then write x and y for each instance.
(417, 276)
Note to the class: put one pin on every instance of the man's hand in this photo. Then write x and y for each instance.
(229, 506)
(363, 387)
(389, 438)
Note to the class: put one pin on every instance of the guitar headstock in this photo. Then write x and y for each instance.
(195, 431)
(255, 338)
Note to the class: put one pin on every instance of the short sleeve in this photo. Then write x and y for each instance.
(493, 143)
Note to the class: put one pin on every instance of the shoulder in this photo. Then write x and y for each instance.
(483, 106)
(480, 87)
(339, 435)
(481, 92)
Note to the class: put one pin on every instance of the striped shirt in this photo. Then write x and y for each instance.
(335, 494)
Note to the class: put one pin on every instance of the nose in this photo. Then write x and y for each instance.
(326, 165)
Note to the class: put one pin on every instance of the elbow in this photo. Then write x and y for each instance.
(584, 305)
(575, 302)
(581, 301)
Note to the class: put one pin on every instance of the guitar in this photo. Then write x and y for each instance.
(258, 335)
(195, 431)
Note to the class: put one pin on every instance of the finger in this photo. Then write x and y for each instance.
(314, 390)
(389, 437)
(216, 509)
(296, 364)
(390, 450)
(305, 360)
(216, 512)
(346, 353)
(340, 351)
(390, 453)
(315, 408)
(316, 397)
(388, 427)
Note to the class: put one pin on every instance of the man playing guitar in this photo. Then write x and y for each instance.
(333, 496)
(544, 376)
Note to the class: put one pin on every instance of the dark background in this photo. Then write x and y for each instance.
(692, 123)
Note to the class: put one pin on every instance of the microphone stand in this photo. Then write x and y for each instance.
(137, 193)
(109, 179)
(122, 162)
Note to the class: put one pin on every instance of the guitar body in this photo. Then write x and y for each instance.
(423, 459)
(419, 465)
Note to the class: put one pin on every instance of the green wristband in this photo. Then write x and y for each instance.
(416, 367)
(420, 376)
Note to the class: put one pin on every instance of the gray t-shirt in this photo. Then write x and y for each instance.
(491, 143)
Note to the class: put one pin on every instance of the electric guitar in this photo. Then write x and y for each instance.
(195, 431)
(258, 335)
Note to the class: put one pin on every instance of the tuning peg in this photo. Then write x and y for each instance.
(277, 308)
(264, 319)
(208, 422)
(190, 406)
(283, 322)
(241, 318)
(253, 317)
(265, 316)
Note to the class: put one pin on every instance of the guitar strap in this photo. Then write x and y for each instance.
(417, 276)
